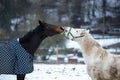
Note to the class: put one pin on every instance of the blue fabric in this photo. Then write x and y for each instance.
(14, 59)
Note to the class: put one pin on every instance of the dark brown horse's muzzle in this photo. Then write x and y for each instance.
(62, 28)
(59, 29)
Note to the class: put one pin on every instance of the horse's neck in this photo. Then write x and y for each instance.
(87, 44)
(87, 40)
(33, 43)
(91, 49)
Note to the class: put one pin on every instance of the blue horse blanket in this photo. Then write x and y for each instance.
(14, 59)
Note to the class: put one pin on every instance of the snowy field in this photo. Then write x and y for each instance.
(61, 71)
(54, 72)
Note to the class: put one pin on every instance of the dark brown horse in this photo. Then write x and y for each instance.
(30, 42)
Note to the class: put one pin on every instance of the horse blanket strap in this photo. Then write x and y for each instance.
(14, 59)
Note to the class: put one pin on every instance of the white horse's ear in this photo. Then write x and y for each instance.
(88, 31)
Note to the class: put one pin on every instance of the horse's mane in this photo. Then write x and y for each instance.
(91, 40)
(88, 42)
(40, 28)
(37, 30)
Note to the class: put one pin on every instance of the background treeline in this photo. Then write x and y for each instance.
(19, 16)
(22, 14)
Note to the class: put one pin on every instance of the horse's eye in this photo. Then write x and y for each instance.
(77, 31)
(66, 30)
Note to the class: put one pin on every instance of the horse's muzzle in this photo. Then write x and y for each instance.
(62, 28)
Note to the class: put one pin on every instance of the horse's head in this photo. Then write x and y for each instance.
(73, 33)
(33, 38)
(50, 29)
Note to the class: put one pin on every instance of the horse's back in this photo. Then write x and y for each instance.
(7, 59)
(14, 59)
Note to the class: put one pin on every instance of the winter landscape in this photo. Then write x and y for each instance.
(54, 72)
(102, 17)
(61, 71)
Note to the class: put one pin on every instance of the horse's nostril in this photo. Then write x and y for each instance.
(66, 31)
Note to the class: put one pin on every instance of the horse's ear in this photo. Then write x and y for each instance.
(40, 22)
(88, 31)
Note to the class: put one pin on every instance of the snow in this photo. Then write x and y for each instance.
(61, 71)
(54, 72)
(109, 41)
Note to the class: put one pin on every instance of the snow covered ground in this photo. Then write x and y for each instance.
(61, 71)
(54, 72)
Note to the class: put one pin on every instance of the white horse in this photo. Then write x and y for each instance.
(101, 65)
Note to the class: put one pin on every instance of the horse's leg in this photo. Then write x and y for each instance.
(20, 76)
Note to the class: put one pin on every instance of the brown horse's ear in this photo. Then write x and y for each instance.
(40, 22)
